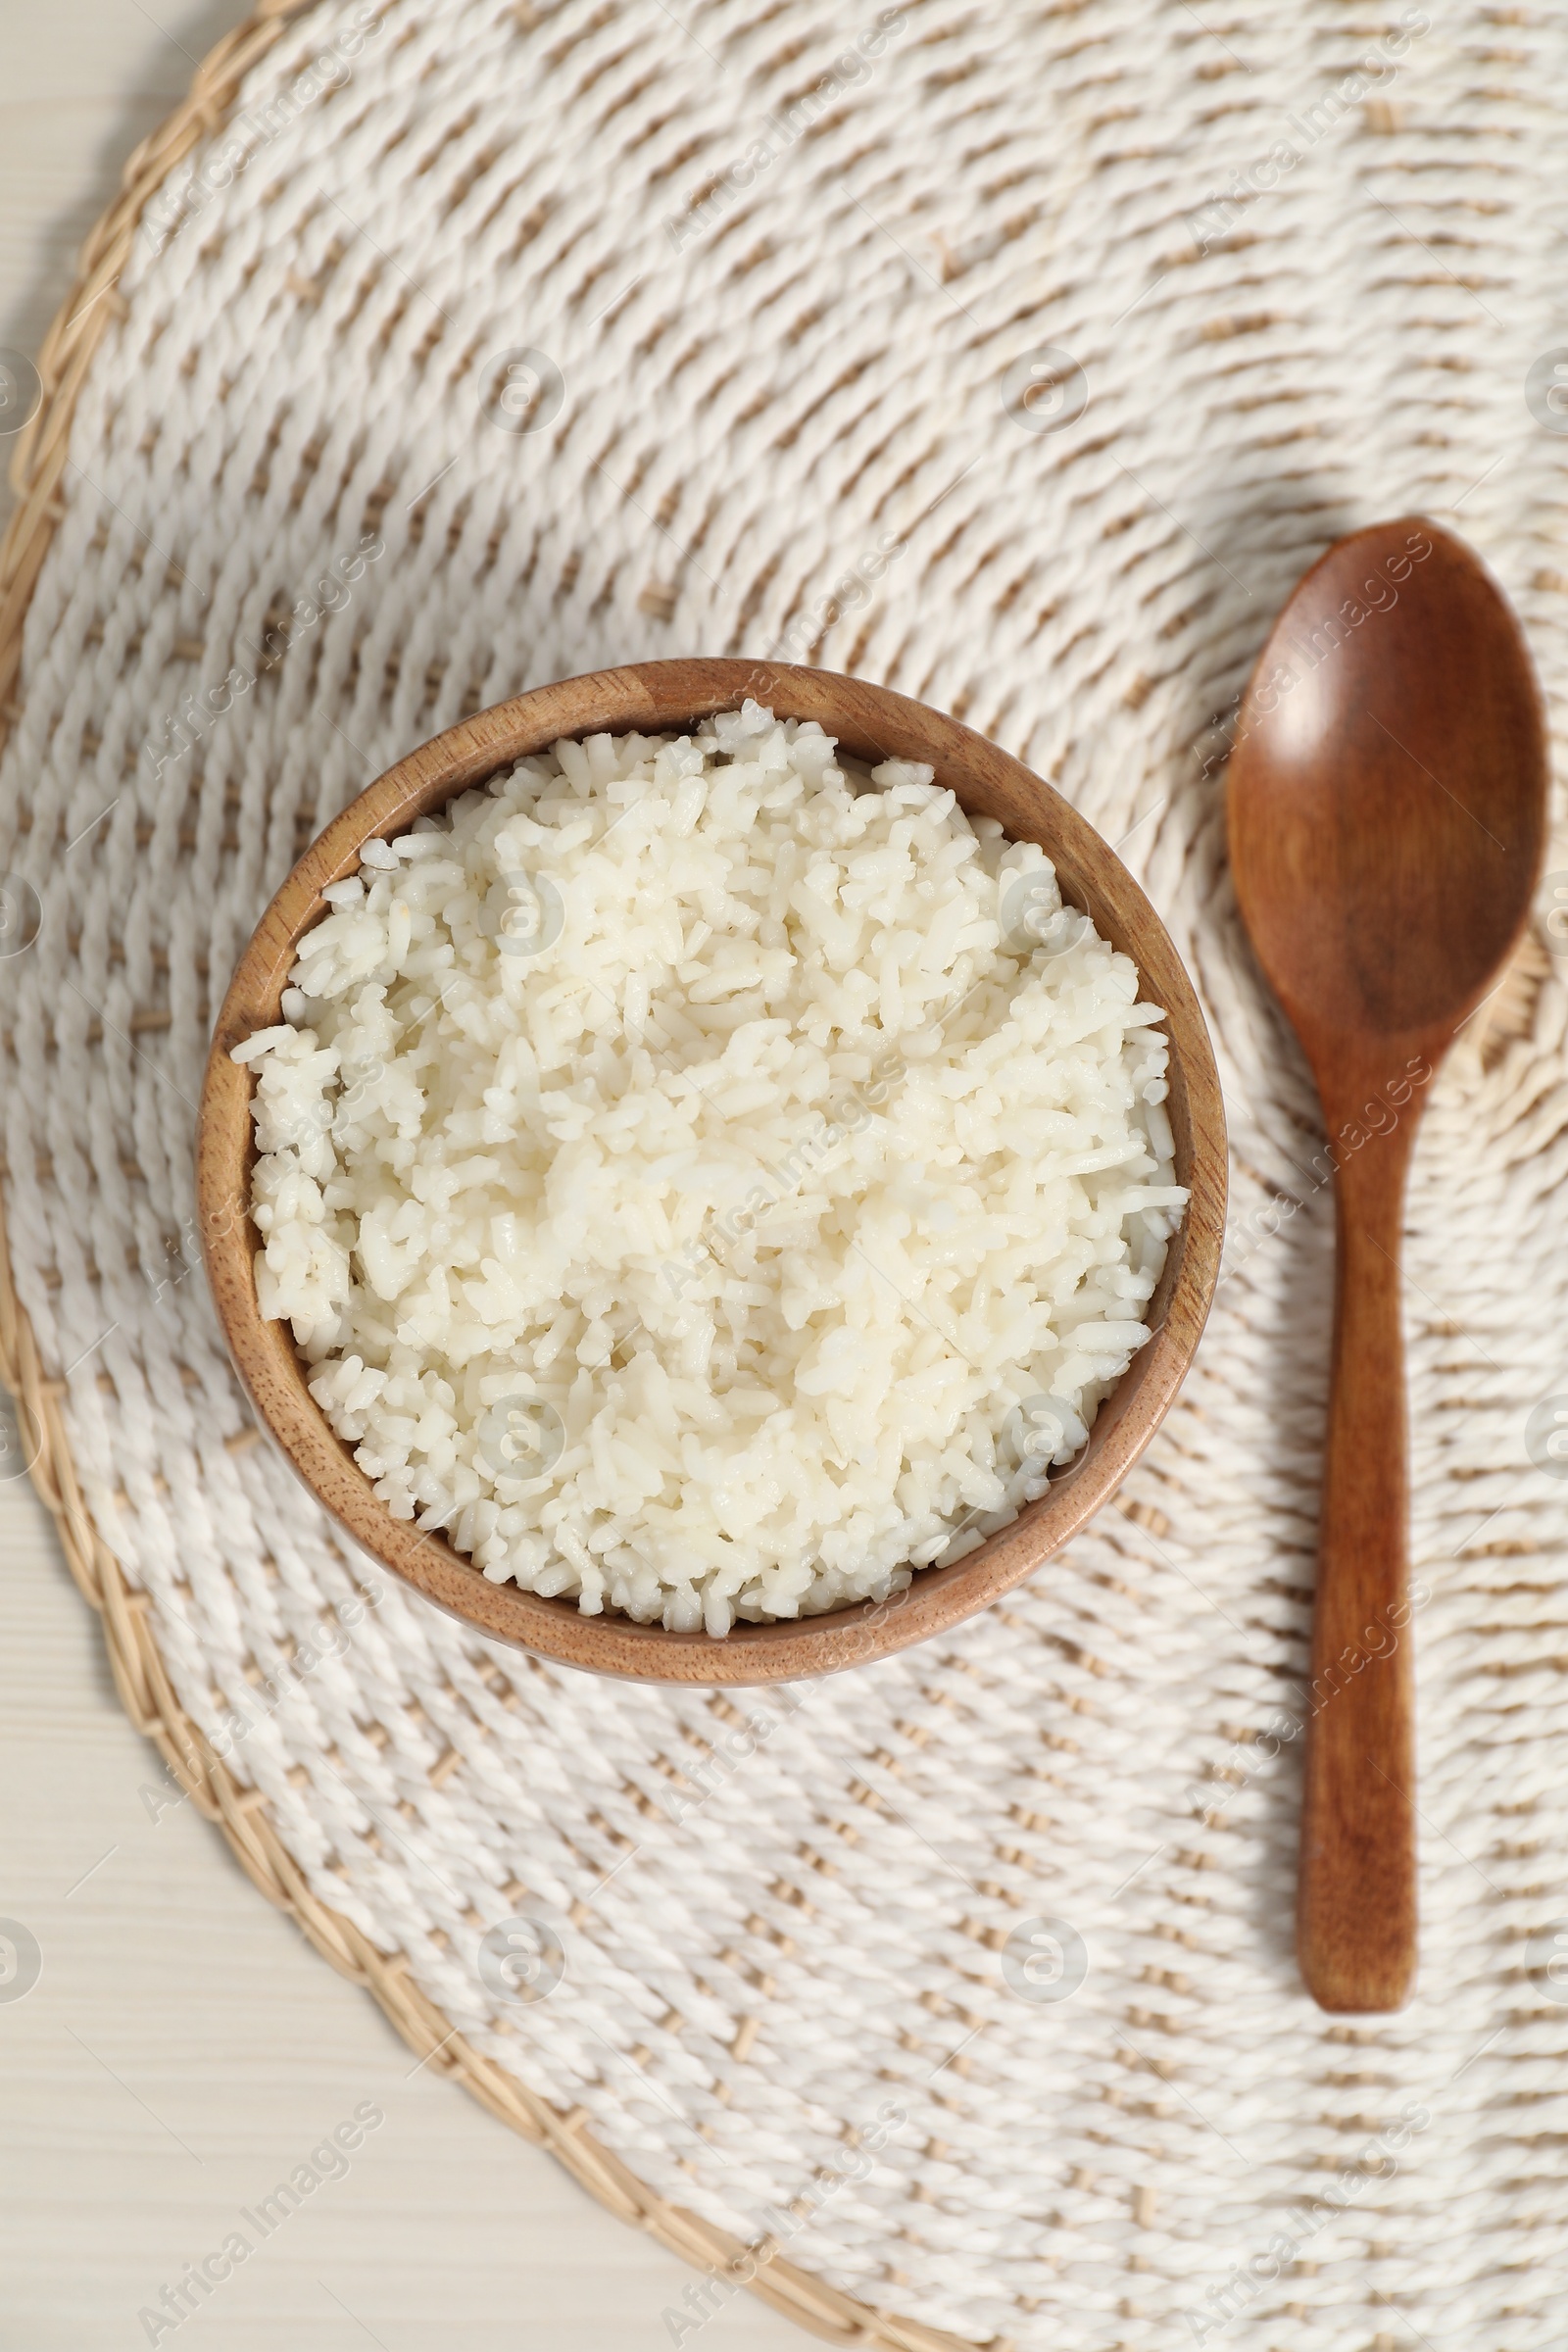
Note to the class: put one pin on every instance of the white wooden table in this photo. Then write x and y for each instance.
(183, 2048)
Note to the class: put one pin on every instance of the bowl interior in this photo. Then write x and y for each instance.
(872, 724)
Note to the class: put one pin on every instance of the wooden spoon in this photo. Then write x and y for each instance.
(1387, 811)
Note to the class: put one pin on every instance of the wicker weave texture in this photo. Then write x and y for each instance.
(781, 290)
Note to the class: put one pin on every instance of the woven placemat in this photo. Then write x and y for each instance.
(435, 350)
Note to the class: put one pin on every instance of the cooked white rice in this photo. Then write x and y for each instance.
(706, 1181)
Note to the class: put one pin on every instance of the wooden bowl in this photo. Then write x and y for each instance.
(668, 697)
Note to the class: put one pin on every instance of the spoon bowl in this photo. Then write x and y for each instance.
(1388, 791)
(1387, 815)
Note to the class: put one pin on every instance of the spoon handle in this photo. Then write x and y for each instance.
(1356, 1907)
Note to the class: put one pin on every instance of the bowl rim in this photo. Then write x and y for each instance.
(873, 722)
